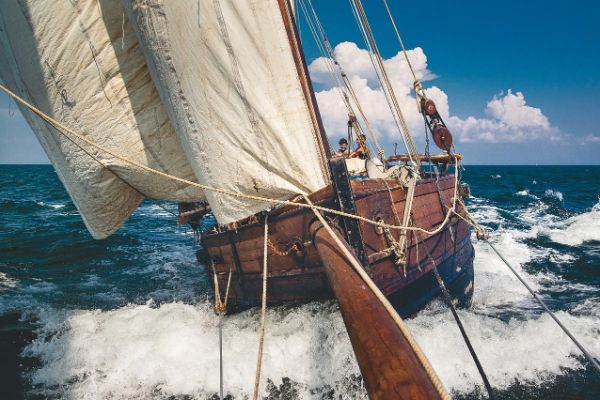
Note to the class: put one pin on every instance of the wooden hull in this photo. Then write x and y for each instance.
(296, 273)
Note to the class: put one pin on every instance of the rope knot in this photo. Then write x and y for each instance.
(481, 233)
(220, 309)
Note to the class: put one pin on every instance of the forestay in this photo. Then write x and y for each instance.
(80, 62)
(230, 76)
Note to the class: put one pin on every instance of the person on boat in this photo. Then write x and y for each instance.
(361, 150)
(343, 151)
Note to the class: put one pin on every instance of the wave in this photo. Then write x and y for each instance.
(144, 351)
(139, 351)
(6, 282)
(526, 193)
(27, 205)
(52, 206)
(511, 352)
(161, 351)
(554, 193)
(576, 230)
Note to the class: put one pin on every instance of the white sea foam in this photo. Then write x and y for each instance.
(156, 210)
(6, 282)
(561, 258)
(41, 287)
(529, 351)
(576, 230)
(136, 351)
(495, 285)
(487, 214)
(142, 351)
(554, 193)
(526, 193)
(53, 206)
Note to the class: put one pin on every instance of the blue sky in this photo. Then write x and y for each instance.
(546, 53)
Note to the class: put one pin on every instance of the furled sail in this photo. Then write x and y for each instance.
(80, 62)
(230, 75)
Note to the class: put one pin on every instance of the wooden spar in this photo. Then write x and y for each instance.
(388, 363)
(309, 94)
(437, 158)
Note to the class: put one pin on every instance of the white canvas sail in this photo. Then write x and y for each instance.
(80, 62)
(233, 86)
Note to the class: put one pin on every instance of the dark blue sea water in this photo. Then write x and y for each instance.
(130, 317)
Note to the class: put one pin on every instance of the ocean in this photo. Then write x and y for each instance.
(130, 317)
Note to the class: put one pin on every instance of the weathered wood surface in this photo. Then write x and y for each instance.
(436, 158)
(296, 272)
(388, 363)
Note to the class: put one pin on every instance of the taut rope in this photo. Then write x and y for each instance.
(263, 311)
(463, 332)
(381, 72)
(483, 235)
(71, 134)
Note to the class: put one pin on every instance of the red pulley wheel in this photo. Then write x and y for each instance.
(429, 108)
(442, 138)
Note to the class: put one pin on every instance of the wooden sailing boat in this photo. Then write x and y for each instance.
(403, 272)
(217, 93)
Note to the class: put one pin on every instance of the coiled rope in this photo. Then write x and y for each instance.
(71, 135)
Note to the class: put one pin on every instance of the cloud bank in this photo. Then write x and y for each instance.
(508, 117)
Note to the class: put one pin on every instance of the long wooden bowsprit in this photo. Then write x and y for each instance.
(390, 361)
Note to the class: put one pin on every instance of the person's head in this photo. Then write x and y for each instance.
(343, 144)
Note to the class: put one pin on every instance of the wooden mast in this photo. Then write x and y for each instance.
(388, 363)
(307, 88)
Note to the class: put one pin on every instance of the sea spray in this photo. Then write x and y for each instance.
(130, 317)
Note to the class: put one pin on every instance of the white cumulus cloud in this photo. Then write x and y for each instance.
(508, 116)
(590, 139)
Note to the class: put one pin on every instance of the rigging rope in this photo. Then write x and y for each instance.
(463, 332)
(66, 131)
(221, 357)
(343, 85)
(381, 72)
(419, 92)
(483, 235)
(389, 13)
(590, 358)
(263, 312)
(221, 309)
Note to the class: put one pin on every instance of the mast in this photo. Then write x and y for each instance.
(290, 26)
